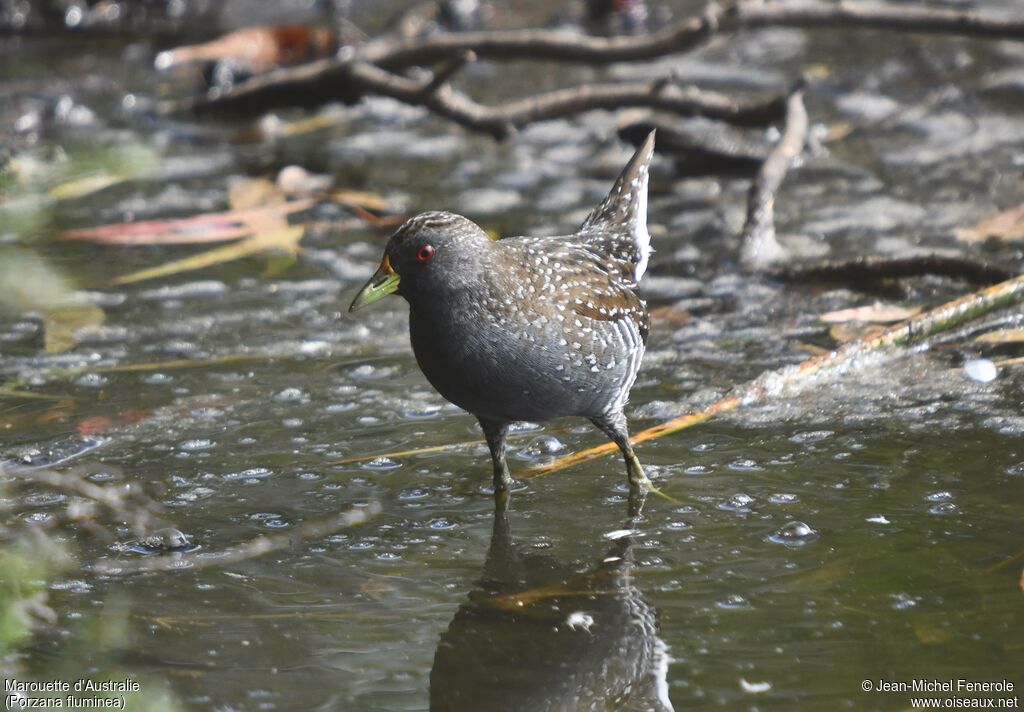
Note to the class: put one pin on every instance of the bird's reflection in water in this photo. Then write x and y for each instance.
(537, 635)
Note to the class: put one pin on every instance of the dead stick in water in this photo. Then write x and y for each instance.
(760, 248)
(915, 330)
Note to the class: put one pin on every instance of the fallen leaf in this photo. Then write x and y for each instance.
(81, 187)
(61, 325)
(1007, 226)
(361, 198)
(93, 425)
(1001, 336)
(252, 193)
(207, 227)
(877, 313)
(848, 331)
(286, 239)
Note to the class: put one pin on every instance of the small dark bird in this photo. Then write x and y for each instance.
(529, 328)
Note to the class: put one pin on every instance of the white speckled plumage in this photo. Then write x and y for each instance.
(532, 328)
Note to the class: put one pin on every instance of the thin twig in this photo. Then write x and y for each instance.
(772, 383)
(760, 248)
(126, 502)
(249, 550)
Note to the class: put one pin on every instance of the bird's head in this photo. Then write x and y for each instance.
(429, 254)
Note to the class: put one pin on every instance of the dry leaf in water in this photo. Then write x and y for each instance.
(1002, 336)
(61, 325)
(877, 313)
(248, 193)
(1007, 226)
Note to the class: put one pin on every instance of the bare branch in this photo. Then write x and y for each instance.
(688, 34)
(556, 45)
(865, 269)
(359, 78)
(760, 248)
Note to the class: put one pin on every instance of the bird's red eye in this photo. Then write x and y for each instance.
(425, 253)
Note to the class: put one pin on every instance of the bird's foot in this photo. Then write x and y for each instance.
(638, 481)
(503, 482)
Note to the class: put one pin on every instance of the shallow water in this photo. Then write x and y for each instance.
(851, 532)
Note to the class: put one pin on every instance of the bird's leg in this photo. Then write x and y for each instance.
(614, 426)
(495, 432)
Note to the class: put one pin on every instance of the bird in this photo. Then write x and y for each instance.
(529, 328)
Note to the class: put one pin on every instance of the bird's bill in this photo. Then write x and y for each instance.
(383, 282)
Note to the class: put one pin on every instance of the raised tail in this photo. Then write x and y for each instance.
(620, 221)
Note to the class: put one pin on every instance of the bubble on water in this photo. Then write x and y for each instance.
(156, 379)
(677, 525)
(942, 496)
(368, 371)
(368, 420)
(745, 465)
(388, 556)
(783, 498)
(944, 508)
(196, 445)
(413, 493)
(292, 422)
(698, 470)
(314, 348)
(812, 436)
(423, 413)
(1016, 470)
(264, 516)
(981, 370)
(739, 502)
(542, 446)
(904, 601)
(91, 380)
(794, 534)
(277, 523)
(253, 473)
(441, 523)
(878, 519)
(340, 407)
(381, 464)
(292, 395)
(619, 534)
(733, 602)
(754, 688)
